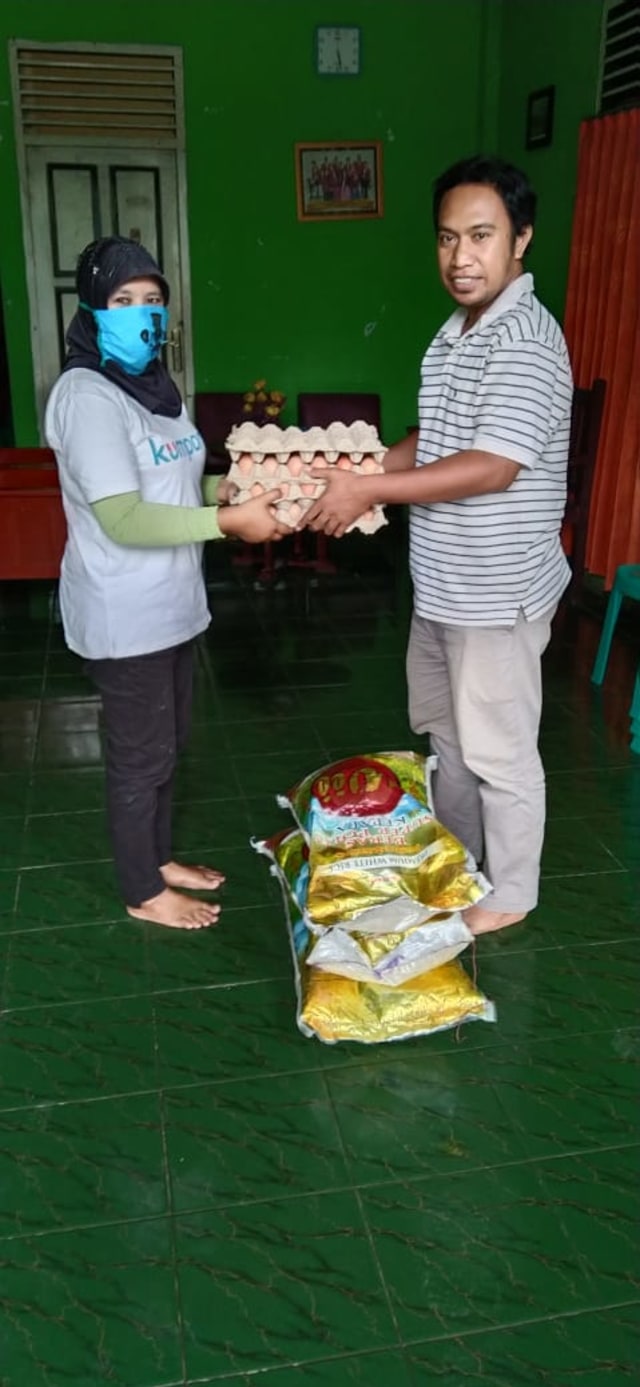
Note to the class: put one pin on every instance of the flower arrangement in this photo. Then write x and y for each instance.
(262, 405)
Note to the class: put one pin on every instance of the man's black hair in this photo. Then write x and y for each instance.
(511, 184)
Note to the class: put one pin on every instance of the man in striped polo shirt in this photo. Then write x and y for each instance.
(485, 478)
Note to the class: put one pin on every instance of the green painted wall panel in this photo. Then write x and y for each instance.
(314, 306)
(549, 43)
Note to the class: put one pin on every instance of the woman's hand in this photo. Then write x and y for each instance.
(226, 492)
(344, 499)
(254, 521)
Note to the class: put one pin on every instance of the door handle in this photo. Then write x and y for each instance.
(174, 342)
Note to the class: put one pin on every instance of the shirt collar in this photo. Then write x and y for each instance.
(514, 291)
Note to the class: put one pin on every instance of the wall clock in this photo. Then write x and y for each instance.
(338, 50)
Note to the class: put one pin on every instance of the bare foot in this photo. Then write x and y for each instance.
(180, 912)
(483, 921)
(191, 878)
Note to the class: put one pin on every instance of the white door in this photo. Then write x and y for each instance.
(75, 194)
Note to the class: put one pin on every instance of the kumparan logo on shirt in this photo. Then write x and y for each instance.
(176, 449)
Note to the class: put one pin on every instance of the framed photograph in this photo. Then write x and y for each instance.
(339, 180)
(540, 118)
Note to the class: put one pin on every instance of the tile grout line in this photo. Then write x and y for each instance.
(31, 774)
(522, 1324)
(407, 1344)
(173, 1238)
(300, 1196)
(361, 1210)
(339, 1067)
(235, 986)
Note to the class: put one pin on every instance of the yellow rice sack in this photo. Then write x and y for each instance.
(334, 1008)
(378, 858)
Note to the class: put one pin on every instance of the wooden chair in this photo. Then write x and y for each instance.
(586, 421)
(319, 409)
(216, 412)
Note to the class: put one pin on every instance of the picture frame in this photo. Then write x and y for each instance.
(339, 180)
(539, 128)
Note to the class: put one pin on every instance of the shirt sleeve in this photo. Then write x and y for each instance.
(210, 484)
(93, 437)
(128, 520)
(519, 402)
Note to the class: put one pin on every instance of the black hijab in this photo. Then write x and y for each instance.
(102, 267)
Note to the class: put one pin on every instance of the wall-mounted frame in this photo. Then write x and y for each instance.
(539, 130)
(339, 180)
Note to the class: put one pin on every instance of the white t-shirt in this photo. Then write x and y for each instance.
(502, 387)
(118, 600)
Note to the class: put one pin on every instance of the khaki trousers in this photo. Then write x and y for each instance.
(477, 691)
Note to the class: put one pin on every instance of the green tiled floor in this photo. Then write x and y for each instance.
(193, 1193)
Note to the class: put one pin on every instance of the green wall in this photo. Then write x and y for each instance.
(312, 306)
(549, 43)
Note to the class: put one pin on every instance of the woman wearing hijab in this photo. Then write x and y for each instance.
(132, 593)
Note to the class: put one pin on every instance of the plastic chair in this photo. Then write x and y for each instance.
(625, 584)
(635, 715)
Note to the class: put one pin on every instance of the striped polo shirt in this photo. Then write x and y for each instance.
(503, 387)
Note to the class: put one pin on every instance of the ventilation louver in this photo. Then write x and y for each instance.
(88, 94)
(620, 84)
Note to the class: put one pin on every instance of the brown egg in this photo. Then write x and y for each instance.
(245, 463)
(295, 465)
(257, 489)
(344, 464)
(270, 466)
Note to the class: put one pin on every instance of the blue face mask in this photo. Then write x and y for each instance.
(132, 336)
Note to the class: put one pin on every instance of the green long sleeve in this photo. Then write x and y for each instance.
(210, 483)
(130, 521)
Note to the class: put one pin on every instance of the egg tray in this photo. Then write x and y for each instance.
(267, 457)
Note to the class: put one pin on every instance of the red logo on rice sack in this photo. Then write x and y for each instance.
(357, 786)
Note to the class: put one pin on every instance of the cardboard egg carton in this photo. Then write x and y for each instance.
(265, 456)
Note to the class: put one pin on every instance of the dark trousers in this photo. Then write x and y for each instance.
(146, 701)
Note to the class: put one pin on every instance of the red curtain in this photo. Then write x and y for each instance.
(602, 327)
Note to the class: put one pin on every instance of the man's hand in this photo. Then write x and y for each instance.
(254, 521)
(344, 499)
